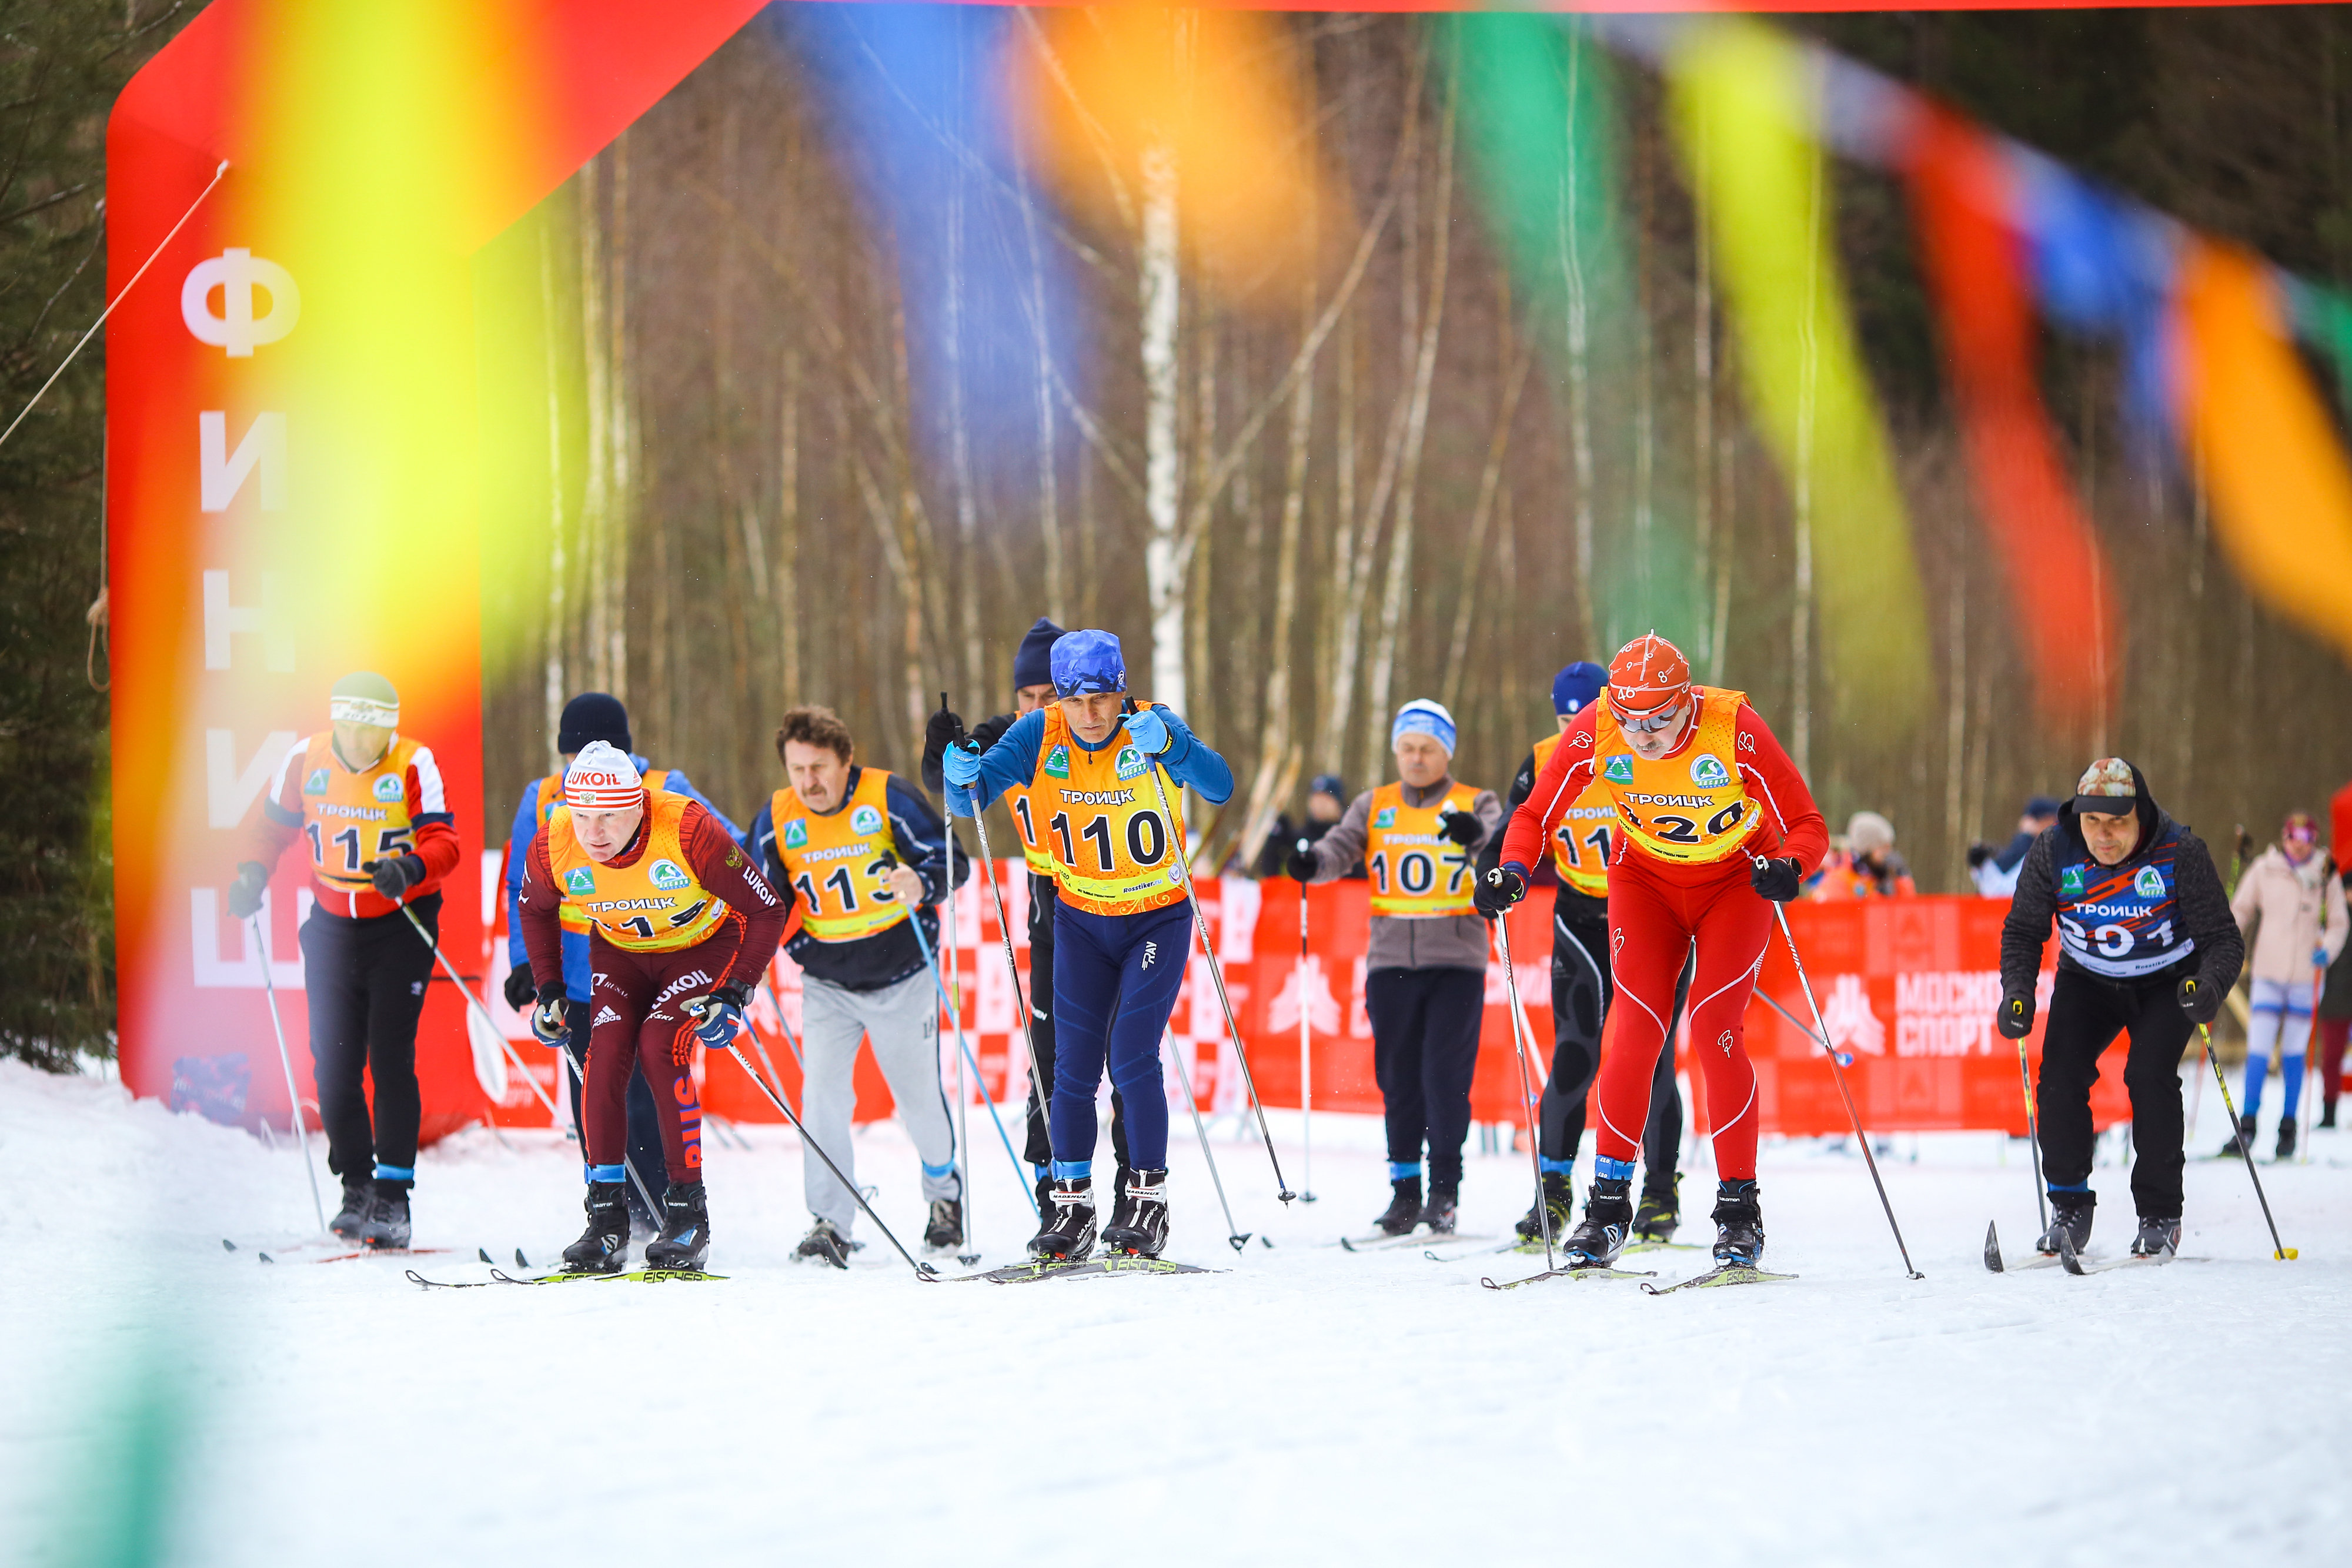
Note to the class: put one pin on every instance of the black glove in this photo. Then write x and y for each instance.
(1778, 879)
(394, 876)
(990, 730)
(2015, 1020)
(519, 987)
(1462, 827)
(1977, 854)
(2201, 1002)
(245, 892)
(549, 1019)
(1299, 864)
(1499, 890)
(943, 730)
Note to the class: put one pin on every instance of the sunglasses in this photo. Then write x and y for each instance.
(1650, 724)
(2303, 832)
(1085, 687)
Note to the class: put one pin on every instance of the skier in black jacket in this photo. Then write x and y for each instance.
(2148, 946)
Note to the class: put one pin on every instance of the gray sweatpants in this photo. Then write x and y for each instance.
(903, 1021)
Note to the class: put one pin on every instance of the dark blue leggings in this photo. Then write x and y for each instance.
(1115, 983)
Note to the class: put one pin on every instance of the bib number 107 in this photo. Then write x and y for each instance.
(1416, 872)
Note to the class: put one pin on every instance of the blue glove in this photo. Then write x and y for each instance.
(548, 1022)
(718, 1018)
(1149, 731)
(960, 767)
(2319, 956)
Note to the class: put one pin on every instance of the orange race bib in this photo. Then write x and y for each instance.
(652, 905)
(1417, 872)
(840, 863)
(1581, 838)
(1691, 807)
(351, 818)
(1113, 852)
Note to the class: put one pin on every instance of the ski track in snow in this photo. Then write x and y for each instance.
(1309, 1405)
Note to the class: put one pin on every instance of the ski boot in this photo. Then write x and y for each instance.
(685, 1238)
(1560, 1196)
(2160, 1236)
(1738, 1225)
(823, 1244)
(1045, 1194)
(1404, 1208)
(1660, 1213)
(945, 1232)
(2286, 1138)
(1444, 1203)
(2327, 1115)
(1608, 1215)
(1139, 1219)
(605, 1242)
(2239, 1141)
(357, 1195)
(1069, 1232)
(2072, 1210)
(387, 1218)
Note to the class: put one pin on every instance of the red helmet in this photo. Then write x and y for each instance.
(1648, 675)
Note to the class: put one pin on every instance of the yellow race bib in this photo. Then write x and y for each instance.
(1691, 807)
(1417, 872)
(654, 905)
(1113, 852)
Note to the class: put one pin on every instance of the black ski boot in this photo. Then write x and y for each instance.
(1139, 1220)
(2286, 1138)
(1045, 1194)
(387, 1218)
(823, 1244)
(605, 1242)
(2239, 1141)
(357, 1195)
(1738, 1225)
(2072, 1210)
(1069, 1231)
(1560, 1196)
(685, 1238)
(1444, 1203)
(1661, 1212)
(2328, 1113)
(1404, 1208)
(1608, 1215)
(2160, 1236)
(945, 1231)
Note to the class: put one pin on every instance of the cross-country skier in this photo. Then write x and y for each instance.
(1712, 820)
(2146, 946)
(1123, 925)
(591, 716)
(368, 803)
(1425, 961)
(1581, 840)
(861, 856)
(680, 928)
(2290, 907)
(1033, 688)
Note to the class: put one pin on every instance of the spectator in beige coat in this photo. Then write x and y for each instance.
(2292, 913)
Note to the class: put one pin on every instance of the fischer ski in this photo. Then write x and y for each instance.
(1589, 1272)
(1727, 1274)
(564, 1277)
(1095, 1268)
(1382, 1241)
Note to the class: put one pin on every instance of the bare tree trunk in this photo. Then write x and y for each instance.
(1195, 553)
(621, 437)
(1277, 726)
(1801, 617)
(1049, 519)
(559, 571)
(1482, 514)
(1645, 399)
(731, 505)
(1580, 361)
(1956, 723)
(1703, 418)
(967, 506)
(788, 528)
(1156, 280)
(595, 502)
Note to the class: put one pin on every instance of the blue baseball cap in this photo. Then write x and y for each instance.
(1087, 661)
(1578, 687)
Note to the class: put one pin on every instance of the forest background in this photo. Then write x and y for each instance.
(771, 437)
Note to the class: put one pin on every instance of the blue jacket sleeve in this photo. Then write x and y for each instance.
(921, 838)
(519, 837)
(679, 784)
(1012, 760)
(1191, 762)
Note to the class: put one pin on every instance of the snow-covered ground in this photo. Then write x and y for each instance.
(1306, 1405)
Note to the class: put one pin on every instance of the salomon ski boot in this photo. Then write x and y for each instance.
(1608, 1215)
(1660, 1213)
(945, 1231)
(2072, 1211)
(2160, 1236)
(2239, 1141)
(1404, 1208)
(1139, 1219)
(1444, 1203)
(685, 1238)
(1560, 1196)
(824, 1244)
(387, 1218)
(1069, 1231)
(602, 1245)
(1738, 1225)
(357, 1195)
(2286, 1138)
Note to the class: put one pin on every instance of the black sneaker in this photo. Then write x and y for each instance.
(1738, 1225)
(1608, 1215)
(357, 1195)
(1139, 1220)
(605, 1242)
(1660, 1213)
(685, 1238)
(2239, 1141)
(824, 1244)
(1069, 1230)
(1444, 1203)
(387, 1218)
(1560, 1196)
(2286, 1138)
(2160, 1236)
(2073, 1210)
(1404, 1208)
(945, 1231)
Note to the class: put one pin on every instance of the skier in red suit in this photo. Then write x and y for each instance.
(1715, 820)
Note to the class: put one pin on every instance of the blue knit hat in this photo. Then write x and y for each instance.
(1087, 662)
(1576, 687)
(1423, 717)
(1033, 666)
(1327, 784)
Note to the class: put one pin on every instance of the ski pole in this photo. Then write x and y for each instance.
(735, 1049)
(1233, 1233)
(1527, 1097)
(285, 1059)
(1217, 974)
(775, 1001)
(2279, 1249)
(1837, 1069)
(1305, 1062)
(963, 1095)
(2032, 1135)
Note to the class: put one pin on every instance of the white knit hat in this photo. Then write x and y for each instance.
(603, 779)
